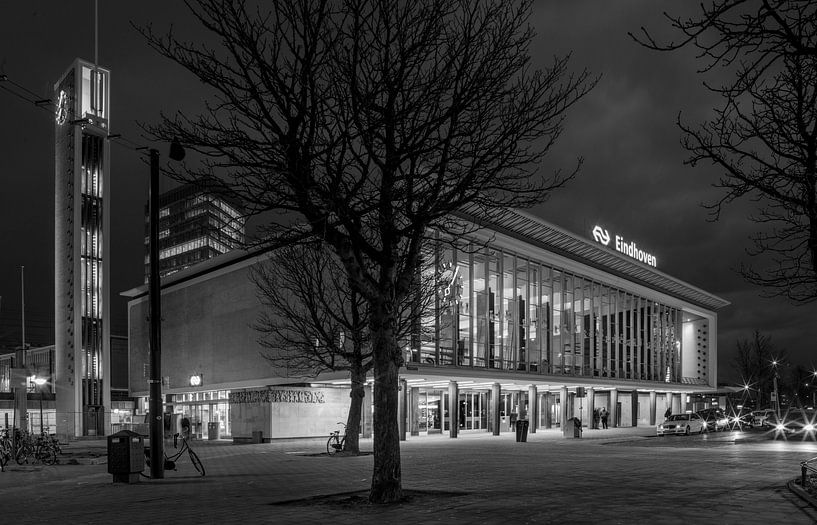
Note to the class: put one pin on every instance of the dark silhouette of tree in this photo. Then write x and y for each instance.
(754, 362)
(764, 136)
(371, 121)
(313, 321)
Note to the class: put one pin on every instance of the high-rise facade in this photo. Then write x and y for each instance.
(196, 223)
(82, 250)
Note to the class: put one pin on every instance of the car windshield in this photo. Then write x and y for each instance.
(678, 417)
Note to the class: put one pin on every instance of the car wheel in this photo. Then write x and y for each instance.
(686, 433)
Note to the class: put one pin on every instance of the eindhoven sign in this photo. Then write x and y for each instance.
(627, 248)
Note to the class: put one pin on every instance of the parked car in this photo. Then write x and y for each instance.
(715, 419)
(682, 424)
(760, 417)
(741, 420)
(795, 423)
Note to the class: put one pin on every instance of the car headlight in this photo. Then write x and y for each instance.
(809, 427)
(780, 426)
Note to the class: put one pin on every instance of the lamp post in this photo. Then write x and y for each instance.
(40, 381)
(776, 398)
(156, 427)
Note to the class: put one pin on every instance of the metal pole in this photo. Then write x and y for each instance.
(157, 464)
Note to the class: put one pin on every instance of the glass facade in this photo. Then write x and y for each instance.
(496, 309)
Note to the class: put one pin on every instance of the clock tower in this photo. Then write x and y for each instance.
(82, 251)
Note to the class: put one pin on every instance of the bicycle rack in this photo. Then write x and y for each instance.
(806, 467)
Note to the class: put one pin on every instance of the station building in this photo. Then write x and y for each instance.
(530, 321)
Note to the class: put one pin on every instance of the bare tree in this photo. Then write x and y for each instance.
(754, 361)
(313, 321)
(764, 137)
(373, 120)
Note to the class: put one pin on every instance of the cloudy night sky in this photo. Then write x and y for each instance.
(633, 180)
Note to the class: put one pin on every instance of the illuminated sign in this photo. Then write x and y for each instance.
(630, 249)
(195, 380)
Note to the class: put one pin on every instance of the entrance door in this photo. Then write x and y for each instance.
(473, 410)
(430, 405)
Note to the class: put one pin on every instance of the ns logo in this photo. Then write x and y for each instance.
(601, 235)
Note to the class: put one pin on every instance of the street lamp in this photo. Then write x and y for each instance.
(156, 426)
(40, 381)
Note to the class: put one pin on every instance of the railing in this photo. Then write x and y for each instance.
(806, 467)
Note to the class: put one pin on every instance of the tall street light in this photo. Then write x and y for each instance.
(156, 427)
(40, 381)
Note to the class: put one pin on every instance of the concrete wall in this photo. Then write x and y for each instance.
(288, 412)
(205, 330)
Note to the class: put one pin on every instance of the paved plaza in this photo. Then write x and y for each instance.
(609, 476)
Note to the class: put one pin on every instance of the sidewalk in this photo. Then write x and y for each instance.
(609, 476)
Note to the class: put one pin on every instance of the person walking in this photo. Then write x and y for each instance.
(668, 413)
(596, 418)
(604, 414)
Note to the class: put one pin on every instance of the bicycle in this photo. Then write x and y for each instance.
(5, 449)
(336, 441)
(170, 461)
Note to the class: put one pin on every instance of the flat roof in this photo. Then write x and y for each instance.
(527, 228)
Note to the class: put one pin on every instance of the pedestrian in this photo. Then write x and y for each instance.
(596, 418)
(668, 413)
(604, 414)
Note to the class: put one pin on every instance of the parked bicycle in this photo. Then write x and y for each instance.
(170, 461)
(336, 441)
(6, 451)
(36, 449)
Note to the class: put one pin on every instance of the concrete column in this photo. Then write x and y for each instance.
(414, 411)
(634, 411)
(547, 401)
(563, 406)
(402, 408)
(683, 397)
(496, 396)
(533, 398)
(612, 422)
(453, 409)
(591, 406)
(368, 400)
(653, 397)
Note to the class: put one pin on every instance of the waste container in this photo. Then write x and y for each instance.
(126, 456)
(213, 430)
(257, 436)
(572, 428)
(522, 430)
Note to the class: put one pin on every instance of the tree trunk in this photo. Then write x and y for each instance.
(356, 396)
(386, 476)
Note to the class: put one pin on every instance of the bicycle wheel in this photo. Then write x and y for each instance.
(47, 455)
(330, 445)
(22, 454)
(194, 458)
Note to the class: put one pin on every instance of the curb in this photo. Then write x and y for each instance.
(795, 488)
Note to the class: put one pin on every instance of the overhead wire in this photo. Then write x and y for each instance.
(49, 105)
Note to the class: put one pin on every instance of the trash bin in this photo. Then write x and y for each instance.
(257, 436)
(126, 456)
(522, 431)
(572, 428)
(213, 430)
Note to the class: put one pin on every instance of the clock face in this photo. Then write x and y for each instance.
(61, 113)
